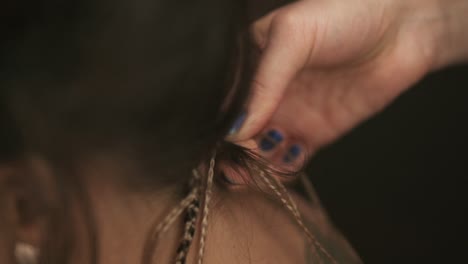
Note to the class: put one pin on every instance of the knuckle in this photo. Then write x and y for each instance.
(287, 20)
(259, 88)
(299, 32)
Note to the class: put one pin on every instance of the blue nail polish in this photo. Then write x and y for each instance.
(238, 124)
(266, 144)
(275, 135)
(293, 153)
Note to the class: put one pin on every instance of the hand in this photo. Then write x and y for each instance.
(326, 65)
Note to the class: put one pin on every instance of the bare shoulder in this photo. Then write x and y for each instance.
(249, 227)
(252, 227)
(335, 247)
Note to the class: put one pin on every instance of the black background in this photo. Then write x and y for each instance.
(396, 185)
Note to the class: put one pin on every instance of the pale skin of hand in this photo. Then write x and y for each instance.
(327, 65)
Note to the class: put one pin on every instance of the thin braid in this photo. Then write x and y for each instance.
(170, 219)
(190, 222)
(183, 205)
(189, 232)
(285, 192)
(290, 206)
(175, 213)
(206, 210)
(289, 203)
(299, 220)
(309, 189)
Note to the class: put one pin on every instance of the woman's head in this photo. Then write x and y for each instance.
(145, 89)
(90, 76)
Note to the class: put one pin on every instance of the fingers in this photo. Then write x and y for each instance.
(260, 30)
(281, 148)
(284, 55)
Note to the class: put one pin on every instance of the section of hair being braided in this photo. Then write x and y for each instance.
(189, 232)
(190, 204)
(201, 194)
(206, 209)
(158, 230)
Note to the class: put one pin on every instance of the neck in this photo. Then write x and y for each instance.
(124, 218)
(243, 226)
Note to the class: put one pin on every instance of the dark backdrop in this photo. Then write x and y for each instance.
(396, 185)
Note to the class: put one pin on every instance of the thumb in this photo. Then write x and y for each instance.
(284, 55)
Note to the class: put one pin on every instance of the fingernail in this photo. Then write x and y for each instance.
(293, 153)
(237, 124)
(275, 135)
(267, 144)
(272, 138)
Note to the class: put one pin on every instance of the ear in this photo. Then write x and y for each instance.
(7, 235)
(18, 206)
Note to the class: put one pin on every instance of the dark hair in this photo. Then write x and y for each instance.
(159, 82)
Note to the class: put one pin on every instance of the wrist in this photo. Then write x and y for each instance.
(449, 32)
(439, 28)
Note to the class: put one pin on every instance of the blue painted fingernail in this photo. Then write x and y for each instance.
(275, 135)
(267, 144)
(237, 124)
(293, 153)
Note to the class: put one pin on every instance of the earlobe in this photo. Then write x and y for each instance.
(19, 206)
(7, 219)
(26, 253)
